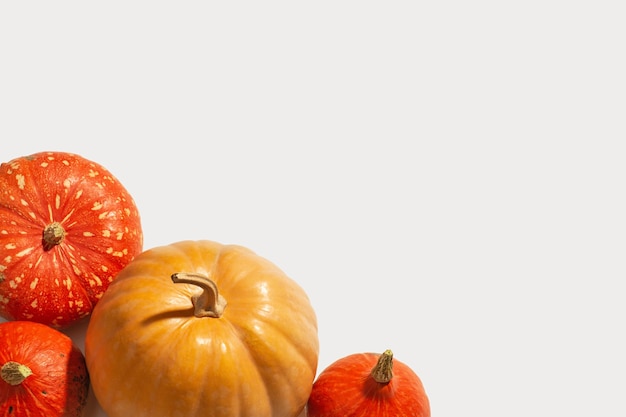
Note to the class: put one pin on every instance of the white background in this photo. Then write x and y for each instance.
(445, 179)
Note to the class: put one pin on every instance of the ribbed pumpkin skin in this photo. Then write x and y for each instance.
(149, 356)
(59, 383)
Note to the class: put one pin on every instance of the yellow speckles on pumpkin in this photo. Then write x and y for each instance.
(33, 283)
(119, 236)
(57, 201)
(21, 181)
(75, 304)
(93, 173)
(104, 215)
(3, 232)
(35, 303)
(78, 194)
(36, 264)
(24, 252)
(115, 253)
(24, 202)
(50, 215)
(65, 162)
(67, 183)
(97, 205)
(88, 234)
(106, 233)
(104, 268)
(77, 271)
(45, 164)
(10, 246)
(96, 281)
(127, 211)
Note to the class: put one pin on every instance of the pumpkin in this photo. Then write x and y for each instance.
(43, 374)
(197, 328)
(67, 227)
(368, 384)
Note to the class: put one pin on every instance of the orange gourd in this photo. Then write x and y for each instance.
(368, 385)
(43, 374)
(197, 328)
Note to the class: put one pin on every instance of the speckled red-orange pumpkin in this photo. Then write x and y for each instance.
(67, 227)
(43, 374)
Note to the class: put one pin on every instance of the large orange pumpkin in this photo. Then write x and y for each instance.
(197, 328)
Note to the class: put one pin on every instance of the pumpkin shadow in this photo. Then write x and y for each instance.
(179, 314)
(77, 384)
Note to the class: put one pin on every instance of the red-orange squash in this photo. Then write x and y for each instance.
(368, 385)
(67, 227)
(196, 329)
(43, 374)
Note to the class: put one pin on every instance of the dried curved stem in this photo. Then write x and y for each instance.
(209, 303)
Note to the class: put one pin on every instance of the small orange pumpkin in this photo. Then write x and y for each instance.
(43, 374)
(197, 328)
(368, 384)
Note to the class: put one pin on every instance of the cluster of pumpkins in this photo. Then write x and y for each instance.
(194, 328)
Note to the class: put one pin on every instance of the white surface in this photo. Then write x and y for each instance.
(445, 180)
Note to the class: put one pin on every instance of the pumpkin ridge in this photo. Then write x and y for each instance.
(34, 388)
(265, 373)
(22, 221)
(82, 301)
(31, 192)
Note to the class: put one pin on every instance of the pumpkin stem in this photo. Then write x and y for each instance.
(383, 371)
(14, 373)
(209, 303)
(53, 235)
